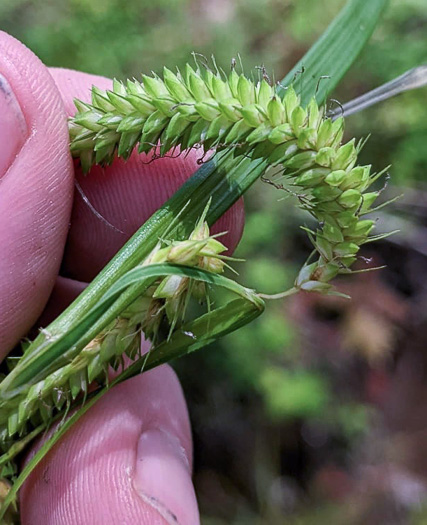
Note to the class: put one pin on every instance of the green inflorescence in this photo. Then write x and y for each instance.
(165, 300)
(205, 109)
(200, 107)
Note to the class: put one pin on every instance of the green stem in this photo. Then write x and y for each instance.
(280, 295)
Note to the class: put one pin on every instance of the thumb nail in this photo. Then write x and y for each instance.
(13, 128)
(163, 478)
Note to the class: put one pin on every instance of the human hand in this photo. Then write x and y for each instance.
(128, 460)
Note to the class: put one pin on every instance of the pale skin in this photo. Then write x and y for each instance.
(129, 459)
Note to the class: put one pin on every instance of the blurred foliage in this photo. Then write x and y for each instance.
(261, 395)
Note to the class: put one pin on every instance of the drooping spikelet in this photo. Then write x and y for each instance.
(201, 107)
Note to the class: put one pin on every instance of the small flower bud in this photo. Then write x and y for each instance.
(245, 91)
(314, 114)
(332, 233)
(154, 86)
(212, 264)
(127, 142)
(329, 207)
(290, 101)
(141, 104)
(283, 152)
(200, 232)
(233, 81)
(325, 156)
(297, 119)
(259, 134)
(135, 88)
(185, 252)
(132, 122)
(336, 133)
(221, 89)
(264, 93)
(110, 121)
(325, 272)
(356, 179)
(99, 100)
(345, 249)
(350, 199)
(169, 287)
(316, 286)
(307, 138)
(335, 178)
(311, 178)
(213, 247)
(165, 105)
(305, 273)
(345, 156)
(237, 132)
(282, 133)
(325, 248)
(300, 161)
(275, 111)
(197, 132)
(326, 193)
(209, 80)
(252, 115)
(118, 87)
(346, 219)
(172, 133)
(360, 230)
(155, 123)
(196, 85)
(208, 109)
(217, 127)
(368, 200)
(175, 87)
(324, 134)
(89, 120)
(229, 108)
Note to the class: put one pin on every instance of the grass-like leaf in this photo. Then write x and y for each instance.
(336, 50)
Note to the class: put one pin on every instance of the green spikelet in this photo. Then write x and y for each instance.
(165, 300)
(200, 107)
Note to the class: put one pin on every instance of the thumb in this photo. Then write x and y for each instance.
(128, 461)
(36, 187)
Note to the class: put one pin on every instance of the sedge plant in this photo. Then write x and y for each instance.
(251, 126)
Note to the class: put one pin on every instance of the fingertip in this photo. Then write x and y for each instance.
(36, 193)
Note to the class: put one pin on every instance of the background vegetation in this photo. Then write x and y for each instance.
(314, 413)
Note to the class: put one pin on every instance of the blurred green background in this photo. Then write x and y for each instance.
(314, 413)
